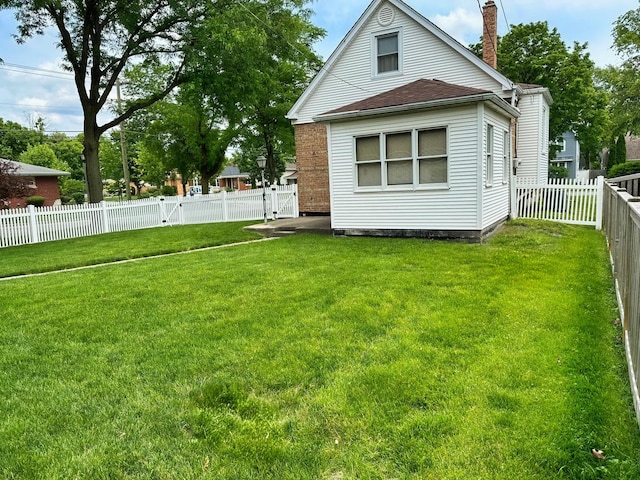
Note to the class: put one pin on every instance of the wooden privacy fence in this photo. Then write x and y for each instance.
(622, 228)
(32, 225)
(561, 200)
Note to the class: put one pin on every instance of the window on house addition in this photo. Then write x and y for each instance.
(489, 155)
(387, 53)
(413, 158)
(505, 157)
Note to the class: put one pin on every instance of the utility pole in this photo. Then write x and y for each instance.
(123, 147)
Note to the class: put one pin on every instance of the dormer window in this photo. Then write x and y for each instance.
(388, 53)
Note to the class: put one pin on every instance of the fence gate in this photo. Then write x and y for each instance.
(560, 200)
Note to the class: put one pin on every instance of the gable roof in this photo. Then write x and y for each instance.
(416, 95)
(232, 171)
(27, 170)
(421, 20)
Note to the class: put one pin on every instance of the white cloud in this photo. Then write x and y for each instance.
(460, 24)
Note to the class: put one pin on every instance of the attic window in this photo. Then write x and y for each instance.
(387, 53)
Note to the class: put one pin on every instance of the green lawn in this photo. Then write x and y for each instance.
(77, 252)
(314, 357)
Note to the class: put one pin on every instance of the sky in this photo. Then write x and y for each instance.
(26, 93)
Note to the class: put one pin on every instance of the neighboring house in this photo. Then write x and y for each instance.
(290, 175)
(406, 132)
(569, 155)
(42, 181)
(232, 179)
(633, 147)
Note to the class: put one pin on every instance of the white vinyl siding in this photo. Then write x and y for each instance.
(422, 55)
(452, 206)
(495, 200)
(533, 133)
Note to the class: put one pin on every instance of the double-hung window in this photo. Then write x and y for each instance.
(505, 157)
(489, 155)
(410, 159)
(387, 53)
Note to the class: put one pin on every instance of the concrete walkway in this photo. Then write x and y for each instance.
(289, 226)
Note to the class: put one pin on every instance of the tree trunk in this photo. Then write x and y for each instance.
(91, 145)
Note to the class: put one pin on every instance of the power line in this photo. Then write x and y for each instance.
(43, 107)
(323, 67)
(504, 13)
(36, 73)
(37, 69)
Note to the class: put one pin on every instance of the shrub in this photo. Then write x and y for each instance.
(169, 190)
(36, 201)
(621, 169)
(558, 172)
(78, 197)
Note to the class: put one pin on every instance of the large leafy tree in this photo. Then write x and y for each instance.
(535, 54)
(15, 139)
(623, 82)
(100, 40)
(273, 52)
(256, 61)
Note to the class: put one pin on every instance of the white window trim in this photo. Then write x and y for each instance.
(489, 153)
(506, 156)
(374, 53)
(415, 186)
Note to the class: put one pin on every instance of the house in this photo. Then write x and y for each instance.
(569, 154)
(42, 181)
(232, 179)
(290, 175)
(406, 132)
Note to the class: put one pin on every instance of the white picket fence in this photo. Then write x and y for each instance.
(560, 200)
(32, 225)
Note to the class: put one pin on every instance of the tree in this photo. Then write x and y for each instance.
(15, 139)
(273, 51)
(623, 82)
(11, 185)
(100, 40)
(534, 54)
(43, 156)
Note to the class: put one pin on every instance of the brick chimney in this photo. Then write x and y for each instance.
(490, 33)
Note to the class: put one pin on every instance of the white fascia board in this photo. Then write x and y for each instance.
(541, 90)
(448, 102)
(507, 85)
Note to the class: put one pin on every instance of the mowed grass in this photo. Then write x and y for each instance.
(323, 358)
(78, 252)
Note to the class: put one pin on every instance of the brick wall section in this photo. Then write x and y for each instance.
(46, 187)
(312, 160)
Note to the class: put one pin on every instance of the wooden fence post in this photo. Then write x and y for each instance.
(33, 224)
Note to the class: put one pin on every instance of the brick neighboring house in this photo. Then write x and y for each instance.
(406, 132)
(42, 181)
(233, 179)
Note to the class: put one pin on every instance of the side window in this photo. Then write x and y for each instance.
(505, 157)
(368, 161)
(489, 155)
(387, 53)
(432, 156)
